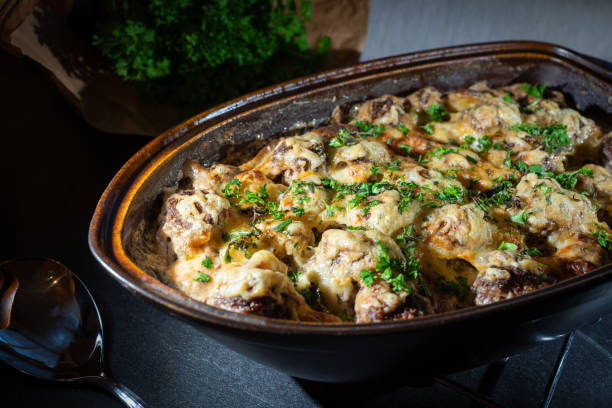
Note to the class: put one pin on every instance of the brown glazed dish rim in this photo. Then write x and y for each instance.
(105, 238)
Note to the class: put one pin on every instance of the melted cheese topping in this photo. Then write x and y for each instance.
(417, 205)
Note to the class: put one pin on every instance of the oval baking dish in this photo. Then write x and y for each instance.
(430, 345)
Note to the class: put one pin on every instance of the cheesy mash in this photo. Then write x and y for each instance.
(398, 208)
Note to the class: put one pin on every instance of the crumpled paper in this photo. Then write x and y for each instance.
(39, 31)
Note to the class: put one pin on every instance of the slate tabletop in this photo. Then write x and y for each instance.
(54, 168)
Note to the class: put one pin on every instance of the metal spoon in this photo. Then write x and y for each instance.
(50, 326)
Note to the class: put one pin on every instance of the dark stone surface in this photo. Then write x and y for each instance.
(55, 167)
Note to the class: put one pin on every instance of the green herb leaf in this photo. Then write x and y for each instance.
(367, 277)
(283, 225)
(395, 165)
(232, 188)
(367, 129)
(330, 208)
(602, 237)
(406, 148)
(508, 246)
(202, 277)
(451, 194)
(532, 252)
(369, 205)
(428, 129)
(402, 128)
(521, 217)
(555, 138)
(440, 151)
(533, 130)
(537, 90)
(207, 263)
(343, 138)
(294, 276)
(569, 180)
(436, 113)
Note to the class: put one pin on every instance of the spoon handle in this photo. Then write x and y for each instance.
(122, 392)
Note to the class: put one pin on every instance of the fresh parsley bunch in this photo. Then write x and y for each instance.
(193, 54)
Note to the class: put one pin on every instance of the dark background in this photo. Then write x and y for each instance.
(55, 166)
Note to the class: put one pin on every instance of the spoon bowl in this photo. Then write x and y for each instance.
(50, 326)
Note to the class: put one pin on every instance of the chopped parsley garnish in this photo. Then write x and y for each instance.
(436, 113)
(537, 90)
(471, 159)
(533, 130)
(351, 228)
(294, 276)
(521, 217)
(543, 188)
(374, 170)
(283, 225)
(354, 202)
(298, 210)
(202, 277)
(330, 208)
(395, 165)
(343, 138)
(532, 106)
(404, 201)
(603, 237)
(520, 166)
(367, 129)
(555, 138)
(440, 151)
(508, 98)
(238, 234)
(367, 277)
(406, 238)
(369, 205)
(569, 180)
(507, 160)
(207, 263)
(240, 240)
(298, 188)
(451, 194)
(532, 252)
(394, 271)
(258, 198)
(540, 170)
(232, 188)
(427, 128)
(274, 211)
(406, 148)
(508, 246)
(500, 193)
(485, 143)
(386, 265)
(402, 128)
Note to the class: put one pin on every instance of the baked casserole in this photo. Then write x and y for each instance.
(399, 207)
